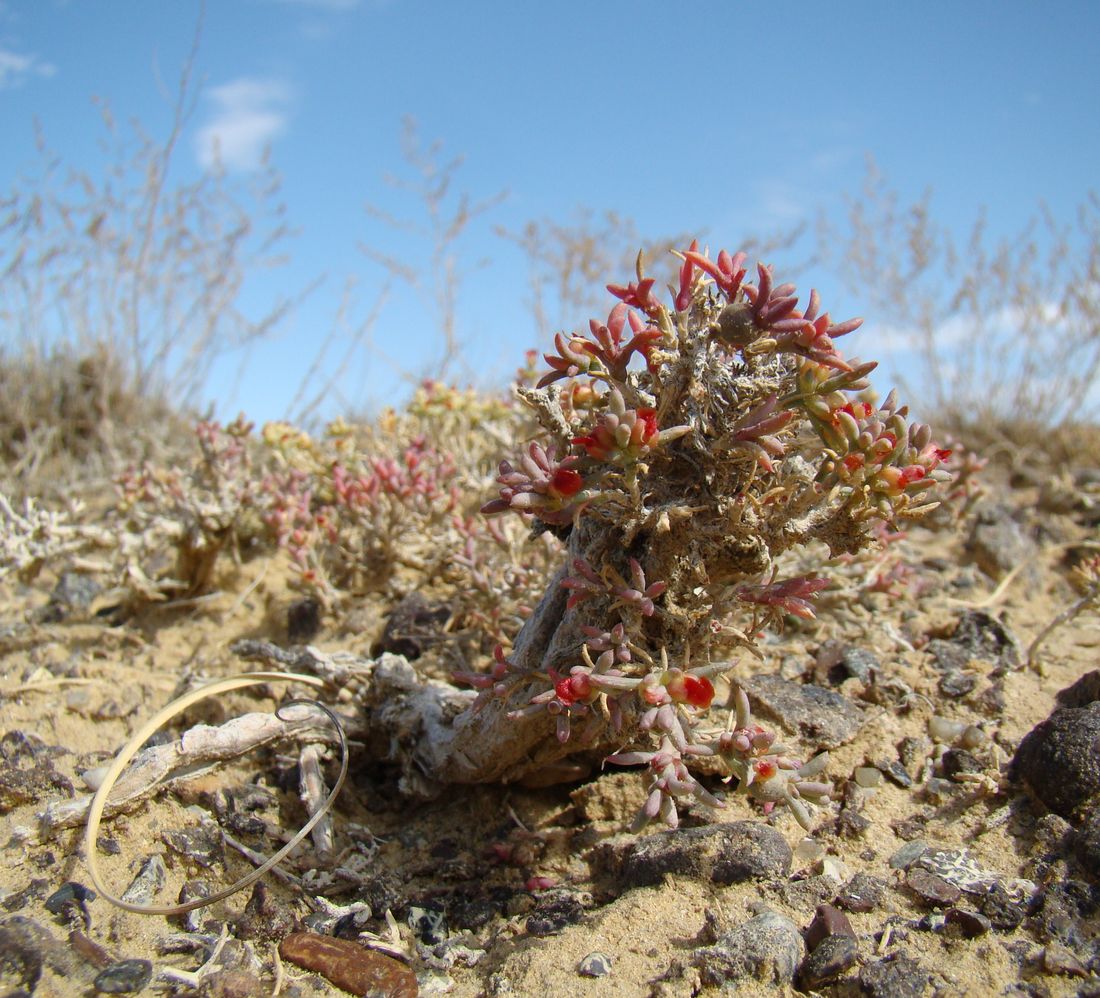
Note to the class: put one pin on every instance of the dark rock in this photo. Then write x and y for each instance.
(413, 626)
(805, 895)
(124, 977)
(837, 661)
(828, 961)
(1088, 842)
(21, 785)
(957, 684)
(947, 656)
(245, 826)
(851, 825)
(554, 911)
(1081, 693)
(349, 966)
(908, 854)
(986, 638)
(911, 826)
(1059, 759)
(821, 718)
(303, 620)
(18, 746)
(18, 899)
(997, 543)
(1004, 910)
(89, 950)
(1059, 960)
(265, 917)
(828, 921)
(1063, 913)
(959, 761)
(69, 901)
(382, 892)
(595, 965)
(204, 844)
(24, 933)
(723, 854)
(349, 926)
(971, 923)
(20, 961)
(768, 948)
(896, 773)
(429, 924)
(73, 594)
(898, 976)
(912, 752)
(476, 912)
(862, 893)
(930, 887)
(149, 880)
(192, 890)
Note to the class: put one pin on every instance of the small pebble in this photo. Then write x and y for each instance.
(945, 730)
(20, 961)
(932, 888)
(1003, 910)
(862, 893)
(828, 921)
(939, 790)
(149, 880)
(204, 845)
(868, 776)
(896, 772)
(827, 961)
(192, 890)
(124, 977)
(958, 761)
(912, 752)
(832, 867)
(908, 854)
(596, 964)
(957, 684)
(429, 925)
(807, 852)
(349, 966)
(69, 899)
(1059, 960)
(972, 923)
(898, 976)
(553, 912)
(89, 949)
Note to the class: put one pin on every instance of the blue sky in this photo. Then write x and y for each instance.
(724, 118)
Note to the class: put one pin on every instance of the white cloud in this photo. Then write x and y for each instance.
(16, 67)
(249, 114)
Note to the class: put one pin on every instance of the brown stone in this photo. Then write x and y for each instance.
(349, 966)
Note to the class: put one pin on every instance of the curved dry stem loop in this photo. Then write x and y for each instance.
(177, 706)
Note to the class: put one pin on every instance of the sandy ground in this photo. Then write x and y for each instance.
(83, 684)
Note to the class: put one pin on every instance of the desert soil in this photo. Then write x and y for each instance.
(506, 890)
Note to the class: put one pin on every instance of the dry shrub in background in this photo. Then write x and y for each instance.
(1005, 331)
(121, 286)
(62, 413)
(570, 261)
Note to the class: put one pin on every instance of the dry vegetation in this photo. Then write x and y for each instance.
(366, 537)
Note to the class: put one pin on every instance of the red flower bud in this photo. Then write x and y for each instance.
(565, 483)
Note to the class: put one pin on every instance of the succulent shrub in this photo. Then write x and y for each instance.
(683, 449)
